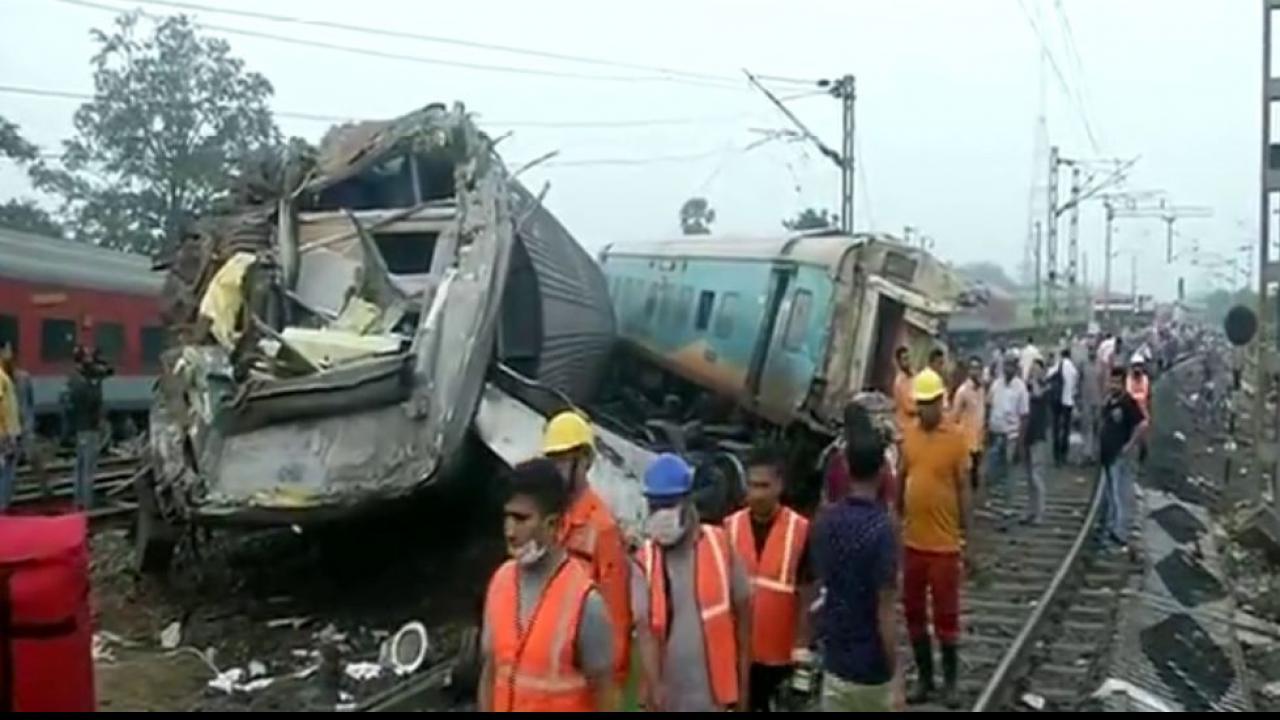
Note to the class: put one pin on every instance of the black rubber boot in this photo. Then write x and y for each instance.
(923, 690)
(950, 669)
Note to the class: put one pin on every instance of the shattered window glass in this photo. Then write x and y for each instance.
(407, 253)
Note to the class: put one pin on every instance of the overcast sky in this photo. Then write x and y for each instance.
(948, 100)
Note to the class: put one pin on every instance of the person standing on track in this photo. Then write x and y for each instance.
(855, 551)
(697, 611)
(1122, 426)
(1010, 406)
(904, 406)
(936, 512)
(1093, 388)
(10, 433)
(84, 392)
(1065, 388)
(546, 643)
(589, 531)
(970, 414)
(1035, 442)
(772, 540)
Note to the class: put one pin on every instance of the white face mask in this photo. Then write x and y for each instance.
(529, 553)
(665, 526)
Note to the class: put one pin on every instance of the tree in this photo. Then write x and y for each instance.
(23, 214)
(696, 216)
(173, 114)
(810, 219)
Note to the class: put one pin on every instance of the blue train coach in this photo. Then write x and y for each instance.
(787, 327)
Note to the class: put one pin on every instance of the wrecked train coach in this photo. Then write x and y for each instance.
(331, 345)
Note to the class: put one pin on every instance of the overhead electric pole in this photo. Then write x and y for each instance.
(1265, 339)
(1051, 242)
(1073, 246)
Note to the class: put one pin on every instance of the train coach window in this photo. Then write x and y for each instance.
(152, 341)
(798, 320)
(651, 301)
(706, 300)
(682, 306)
(57, 340)
(724, 319)
(9, 332)
(108, 339)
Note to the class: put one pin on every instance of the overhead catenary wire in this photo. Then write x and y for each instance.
(1082, 84)
(567, 124)
(453, 41)
(1063, 83)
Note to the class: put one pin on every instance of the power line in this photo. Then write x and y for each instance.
(666, 76)
(459, 42)
(569, 124)
(1057, 71)
(1082, 86)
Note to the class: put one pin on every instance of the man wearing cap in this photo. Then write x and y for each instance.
(696, 604)
(1007, 419)
(589, 530)
(936, 515)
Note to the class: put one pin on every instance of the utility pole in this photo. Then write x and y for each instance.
(1266, 352)
(1133, 283)
(1038, 310)
(1073, 245)
(844, 90)
(847, 94)
(1051, 241)
(1106, 263)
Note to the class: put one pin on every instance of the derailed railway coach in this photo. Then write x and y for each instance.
(728, 337)
(332, 340)
(56, 294)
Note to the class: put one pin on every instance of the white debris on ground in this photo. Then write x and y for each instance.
(232, 681)
(1146, 701)
(257, 669)
(1271, 690)
(361, 671)
(1033, 701)
(1179, 436)
(171, 636)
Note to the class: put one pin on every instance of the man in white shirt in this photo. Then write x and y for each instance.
(1065, 379)
(1029, 354)
(1010, 405)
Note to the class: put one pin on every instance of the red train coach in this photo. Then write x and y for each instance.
(55, 294)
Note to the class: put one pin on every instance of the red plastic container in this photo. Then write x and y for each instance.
(46, 655)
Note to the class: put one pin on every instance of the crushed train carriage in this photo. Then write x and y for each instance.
(333, 340)
(733, 335)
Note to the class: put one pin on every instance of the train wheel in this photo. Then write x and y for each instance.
(719, 486)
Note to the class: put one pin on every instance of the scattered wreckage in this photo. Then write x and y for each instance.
(332, 341)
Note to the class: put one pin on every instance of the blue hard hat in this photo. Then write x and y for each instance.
(668, 476)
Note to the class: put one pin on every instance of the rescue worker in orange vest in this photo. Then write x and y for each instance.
(589, 530)
(1138, 385)
(693, 608)
(546, 643)
(773, 542)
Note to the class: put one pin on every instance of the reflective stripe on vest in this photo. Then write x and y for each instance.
(534, 668)
(714, 595)
(773, 574)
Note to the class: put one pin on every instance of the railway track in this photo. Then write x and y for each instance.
(112, 487)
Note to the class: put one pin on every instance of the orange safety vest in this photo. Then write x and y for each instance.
(1140, 389)
(587, 521)
(533, 667)
(715, 603)
(773, 575)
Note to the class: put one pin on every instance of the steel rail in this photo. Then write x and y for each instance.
(1016, 653)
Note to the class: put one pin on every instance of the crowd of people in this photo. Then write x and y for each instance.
(19, 433)
(705, 617)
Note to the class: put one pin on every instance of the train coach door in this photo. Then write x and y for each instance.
(779, 282)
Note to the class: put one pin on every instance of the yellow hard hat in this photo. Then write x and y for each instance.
(566, 431)
(927, 386)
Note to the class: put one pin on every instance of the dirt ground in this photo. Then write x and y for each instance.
(277, 602)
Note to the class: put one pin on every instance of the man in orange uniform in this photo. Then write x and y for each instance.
(546, 643)
(695, 613)
(903, 403)
(773, 542)
(935, 512)
(589, 531)
(970, 414)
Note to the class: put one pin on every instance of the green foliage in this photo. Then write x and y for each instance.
(13, 145)
(811, 219)
(696, 216)
(25, 216)
(162, 142)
